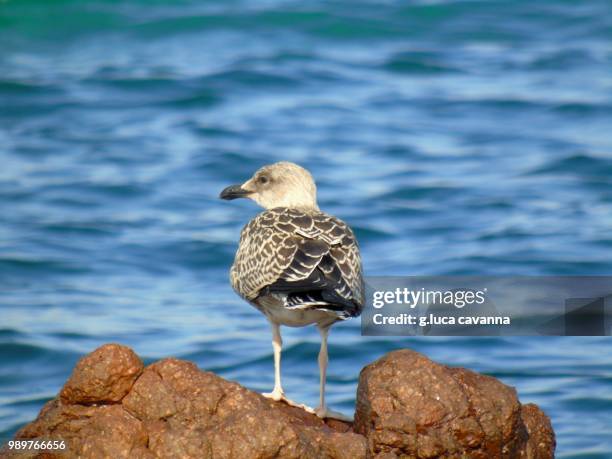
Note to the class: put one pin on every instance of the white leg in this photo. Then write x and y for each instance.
(323, 360)
(277, 393)
(277, 345)
(322, 410)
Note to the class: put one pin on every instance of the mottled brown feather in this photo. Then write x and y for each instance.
(269, 244)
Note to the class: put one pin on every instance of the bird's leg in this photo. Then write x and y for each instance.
(277, 393)
(322, 410)
(277, 345)
(324, 331)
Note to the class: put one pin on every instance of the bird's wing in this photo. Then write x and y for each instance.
(288, 251)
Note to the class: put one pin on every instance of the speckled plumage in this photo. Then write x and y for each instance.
(283, 248)
(296, 264)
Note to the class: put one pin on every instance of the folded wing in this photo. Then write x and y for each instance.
(311, 261)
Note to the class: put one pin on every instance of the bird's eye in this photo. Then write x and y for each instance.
(263, 180)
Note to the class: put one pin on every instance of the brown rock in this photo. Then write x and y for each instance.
(541, 442)
(104, 376)
(409, 406)
(110, 408)
(106, 431)
(191, 413)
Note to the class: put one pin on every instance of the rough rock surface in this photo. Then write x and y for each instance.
(104, 376)
(407, 406)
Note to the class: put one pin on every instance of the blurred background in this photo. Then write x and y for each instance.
(456, 137)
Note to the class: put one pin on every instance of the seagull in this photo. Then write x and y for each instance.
(295, 264)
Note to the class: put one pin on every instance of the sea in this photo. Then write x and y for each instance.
(455, 137)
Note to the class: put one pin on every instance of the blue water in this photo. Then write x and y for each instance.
(456, 137)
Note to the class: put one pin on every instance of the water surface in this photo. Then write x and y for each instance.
(456, 137)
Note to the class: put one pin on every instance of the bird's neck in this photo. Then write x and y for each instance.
(293, 201)
(305, 208)
(309, 209)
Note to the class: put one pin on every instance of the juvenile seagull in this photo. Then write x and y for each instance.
(296, 264)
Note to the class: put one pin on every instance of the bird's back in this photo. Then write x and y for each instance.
(309, 260)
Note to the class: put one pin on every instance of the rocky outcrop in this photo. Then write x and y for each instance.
(104, 376)
(407, 406)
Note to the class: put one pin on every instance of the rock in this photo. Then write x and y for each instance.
(104, 376)
(407, 406)
(541, 442)
(89, 431)
(111, 408)
(191, 413)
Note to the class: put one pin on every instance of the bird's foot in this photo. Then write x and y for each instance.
(279, 396)
(324, 413)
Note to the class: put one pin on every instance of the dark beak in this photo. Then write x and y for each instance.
(233, 192)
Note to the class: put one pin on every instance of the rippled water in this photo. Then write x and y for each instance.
(456, 137)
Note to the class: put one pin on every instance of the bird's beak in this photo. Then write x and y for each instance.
(233, 192)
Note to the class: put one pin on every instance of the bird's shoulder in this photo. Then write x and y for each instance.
(288, 222)
(286, 243)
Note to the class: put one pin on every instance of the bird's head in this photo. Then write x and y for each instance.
(282, 184)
